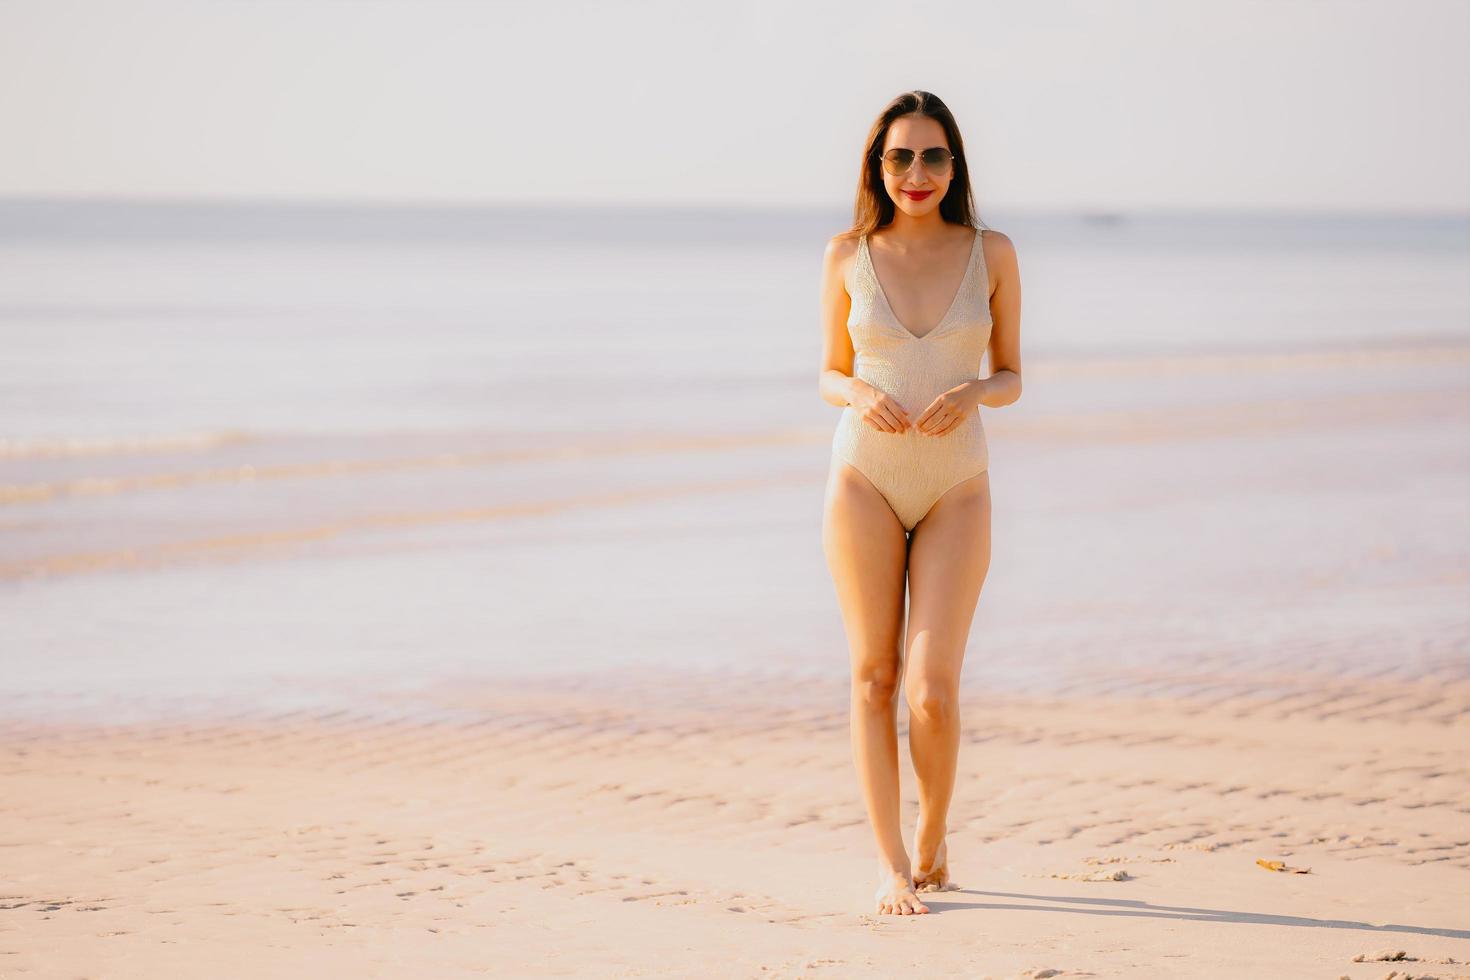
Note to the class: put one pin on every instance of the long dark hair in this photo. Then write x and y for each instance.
(873, 207)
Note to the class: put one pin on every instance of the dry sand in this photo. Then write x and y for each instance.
(689, 826)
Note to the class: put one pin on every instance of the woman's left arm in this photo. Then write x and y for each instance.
(1004, 384)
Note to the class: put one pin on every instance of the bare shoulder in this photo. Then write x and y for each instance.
(998, 247)
(841, 249)
(1000, 257)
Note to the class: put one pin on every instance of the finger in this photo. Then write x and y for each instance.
(948, 426)
(896, 416)
(938, 411)
(938, 422)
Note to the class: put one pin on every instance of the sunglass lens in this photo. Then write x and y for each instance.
(936, 159)
(898, 161)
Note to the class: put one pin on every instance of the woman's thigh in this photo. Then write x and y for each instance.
(867, 552)
(947, 564)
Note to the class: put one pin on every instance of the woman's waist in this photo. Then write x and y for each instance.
(853, 429)
(909, 387)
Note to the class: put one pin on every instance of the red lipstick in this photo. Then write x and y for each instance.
(918, 195)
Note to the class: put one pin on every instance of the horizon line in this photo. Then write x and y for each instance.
(684, 207)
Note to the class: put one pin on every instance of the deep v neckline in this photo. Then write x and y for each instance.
(960, 291)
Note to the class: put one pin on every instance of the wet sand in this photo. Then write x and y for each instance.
(1219, 631)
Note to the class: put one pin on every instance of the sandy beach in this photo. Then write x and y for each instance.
(696, 826)
(1215, 714)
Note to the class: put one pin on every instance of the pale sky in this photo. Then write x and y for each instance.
(1103, 104)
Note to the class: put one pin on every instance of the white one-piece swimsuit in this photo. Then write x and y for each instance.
(912, 469)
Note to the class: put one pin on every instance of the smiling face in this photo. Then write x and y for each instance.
(908, 190)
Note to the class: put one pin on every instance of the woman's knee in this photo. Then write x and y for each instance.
(933, 700)
(876, 686)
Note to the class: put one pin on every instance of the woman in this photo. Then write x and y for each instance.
(909, 492)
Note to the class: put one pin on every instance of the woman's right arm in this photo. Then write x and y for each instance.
(836, 383)
(836, 380)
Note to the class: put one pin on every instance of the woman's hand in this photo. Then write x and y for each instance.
(950, 409)
(877, 408)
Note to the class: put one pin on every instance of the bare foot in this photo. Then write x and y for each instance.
(936, 877)
(896, 896)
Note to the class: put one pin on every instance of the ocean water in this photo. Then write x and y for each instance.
(286, 456)
(134, 321)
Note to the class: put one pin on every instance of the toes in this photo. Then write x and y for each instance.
(896, 899)
(902, 906)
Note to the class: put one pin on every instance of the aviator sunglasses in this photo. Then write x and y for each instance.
(937, 160)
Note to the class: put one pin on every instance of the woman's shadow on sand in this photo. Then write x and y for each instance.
(1134, 907)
